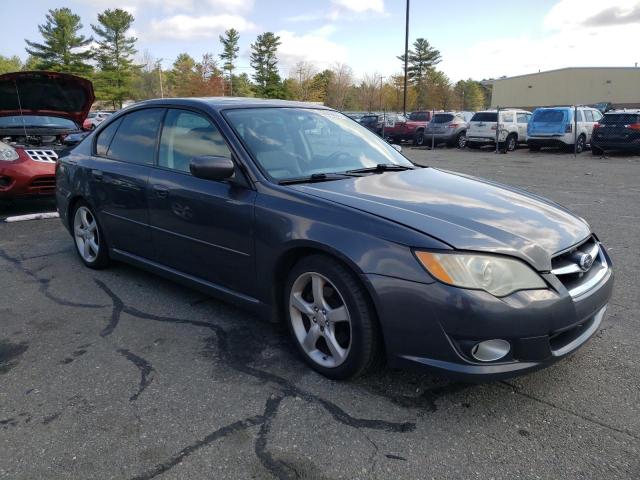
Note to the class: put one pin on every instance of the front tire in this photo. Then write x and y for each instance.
(87, 234)
(511, 143)
(461, 140)
(418, 138)
(330, 318)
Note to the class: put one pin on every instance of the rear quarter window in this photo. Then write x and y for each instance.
(105, 136)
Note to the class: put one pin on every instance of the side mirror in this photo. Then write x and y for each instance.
(211, 167)
(397, 147)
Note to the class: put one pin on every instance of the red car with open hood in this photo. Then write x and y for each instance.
(37, 111)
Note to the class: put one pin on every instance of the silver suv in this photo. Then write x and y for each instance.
(447, 127)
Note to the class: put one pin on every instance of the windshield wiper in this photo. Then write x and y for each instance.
(381, 167)
(316, 177)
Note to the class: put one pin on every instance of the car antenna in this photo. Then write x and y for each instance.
(24, 125)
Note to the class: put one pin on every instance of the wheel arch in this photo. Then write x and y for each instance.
(296, 252)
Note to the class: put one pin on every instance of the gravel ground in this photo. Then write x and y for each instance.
(120, 374)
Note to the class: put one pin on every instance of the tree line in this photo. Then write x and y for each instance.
(119, 72)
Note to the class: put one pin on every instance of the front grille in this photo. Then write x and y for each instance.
(46, 156)
(578, 278)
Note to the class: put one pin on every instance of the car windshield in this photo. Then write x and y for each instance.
(291, 143)
(36, 121)
(619, 118)
(550, 116)
(485, 117)
(442, 118)
(418, 116)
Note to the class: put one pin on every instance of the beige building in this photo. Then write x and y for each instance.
(569, 86)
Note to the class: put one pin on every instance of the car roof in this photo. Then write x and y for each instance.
(223, 103)
(632, 111)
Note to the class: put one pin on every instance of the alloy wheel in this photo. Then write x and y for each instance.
(462, 140)
(320, 319)
(511, 143)
(85, 232)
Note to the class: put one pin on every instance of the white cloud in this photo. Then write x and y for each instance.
(576, 13)
(187, 27)
(313, 47)
(578, 33)
(360, 5)
(230, 6)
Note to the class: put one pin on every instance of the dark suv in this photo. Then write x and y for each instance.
(617, 130)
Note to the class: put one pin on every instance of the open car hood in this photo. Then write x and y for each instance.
(46, 93)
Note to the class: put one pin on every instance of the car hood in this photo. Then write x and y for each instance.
(464, 212)
(45, 93)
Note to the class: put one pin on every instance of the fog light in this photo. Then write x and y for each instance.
(4, 181)
(490, 350)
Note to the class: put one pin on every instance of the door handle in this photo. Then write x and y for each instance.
(162, 191)
(97, 174)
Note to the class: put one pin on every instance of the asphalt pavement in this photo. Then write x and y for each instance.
(120, 374)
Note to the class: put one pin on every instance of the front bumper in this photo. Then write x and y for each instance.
(433, 325)
(26, 178)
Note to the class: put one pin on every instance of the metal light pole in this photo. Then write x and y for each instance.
(406, 59)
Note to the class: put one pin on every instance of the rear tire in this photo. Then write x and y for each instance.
(418, 138)
(330, 319)
(580, 145)
(91, 246)
(461, 140)
(511, 143)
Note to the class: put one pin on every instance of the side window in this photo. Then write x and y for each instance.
(507, 118)
(135, 140)
(588, 116)
(186, 135)
(104, 138)
(580, 116)
(523, 118)
(597, 116)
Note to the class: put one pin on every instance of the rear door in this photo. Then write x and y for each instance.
(124, 154)
(200, 227)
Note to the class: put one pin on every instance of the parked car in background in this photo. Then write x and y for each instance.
(38, 112)
(299, 214)
(447, 127)
(617, 130)
(399, 128)
(94, 119)
(554, 127)
(513, 128)
(373, 122)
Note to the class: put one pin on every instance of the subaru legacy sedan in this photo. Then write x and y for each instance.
(302, 215)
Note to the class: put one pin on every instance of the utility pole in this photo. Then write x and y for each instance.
(159, 65)
(406, 59)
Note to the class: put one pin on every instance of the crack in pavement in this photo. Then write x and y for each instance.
(44, 283)
(219, 344)
(595, 421)
(146, 369)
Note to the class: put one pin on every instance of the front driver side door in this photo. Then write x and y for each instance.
(203, 228)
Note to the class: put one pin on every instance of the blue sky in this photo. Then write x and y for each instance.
(482, 39)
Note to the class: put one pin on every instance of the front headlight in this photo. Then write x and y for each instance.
(7, 153)
(497, 275)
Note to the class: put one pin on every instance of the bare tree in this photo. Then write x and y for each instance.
(303, 74)
(339, 85)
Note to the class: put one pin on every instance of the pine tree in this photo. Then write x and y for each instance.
(114, 55)
(63, 49)
(229, 53)
(265, 63)
(422, 61)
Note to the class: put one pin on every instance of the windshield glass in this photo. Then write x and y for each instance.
(551, 116)
(296, 142)
(32, 121)
(442, 118)
(485, 117)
